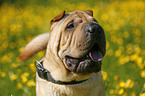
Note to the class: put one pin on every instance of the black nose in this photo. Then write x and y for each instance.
(93, 28)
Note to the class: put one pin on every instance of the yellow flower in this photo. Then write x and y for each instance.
(129, 83)
(113, 38)
(31, 83)
(20, 49)
(115, 77)
(143, 53)
(139, 60)
(133, 94)
(118, 53)
(3, 74)
(24, 77)
(129, 49)
(19, 85)
(134, 57)
(41, 54)
(4, 58)
(137, 32)
(26, 74)
(142, 73)
(122, 84)
(121, 91)
(13, 77)
(111, 91)
(13, 28)
(107, 45)
(137, 48)
(32, 67)
(125, 94)
(104, 75)
(119, 41)
(124, 59)
(117, 86)
(15, 65)
(142, 94)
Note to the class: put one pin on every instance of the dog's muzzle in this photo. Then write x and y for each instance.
(92, 60)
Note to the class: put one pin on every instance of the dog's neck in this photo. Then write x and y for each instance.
(45, 74)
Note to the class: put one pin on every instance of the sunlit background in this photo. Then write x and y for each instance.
(123, 22)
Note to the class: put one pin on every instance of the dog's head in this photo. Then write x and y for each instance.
(75, 47)
(78, 40)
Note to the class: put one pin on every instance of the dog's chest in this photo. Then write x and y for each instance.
(45, 88)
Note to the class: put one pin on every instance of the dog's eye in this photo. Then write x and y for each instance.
(70, 25)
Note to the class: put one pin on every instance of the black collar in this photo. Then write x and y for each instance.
(44, 74)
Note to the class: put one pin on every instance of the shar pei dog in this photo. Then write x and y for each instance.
(74, 47)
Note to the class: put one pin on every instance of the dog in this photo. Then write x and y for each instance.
(74, 47)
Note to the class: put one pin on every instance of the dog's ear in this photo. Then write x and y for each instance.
(57, 18)
(37, 44)
(89, 12)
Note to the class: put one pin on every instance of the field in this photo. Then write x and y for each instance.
(124, 25)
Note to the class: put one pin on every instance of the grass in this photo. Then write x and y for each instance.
(123, 22)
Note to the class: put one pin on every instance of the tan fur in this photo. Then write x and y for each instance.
(60, 44)
(37, 44)
(91, 87)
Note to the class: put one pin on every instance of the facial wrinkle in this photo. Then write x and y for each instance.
(79, 13)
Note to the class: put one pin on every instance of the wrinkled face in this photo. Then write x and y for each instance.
(79, 41)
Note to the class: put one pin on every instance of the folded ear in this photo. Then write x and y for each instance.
(37, 44)
(89, 12)
(57, 18)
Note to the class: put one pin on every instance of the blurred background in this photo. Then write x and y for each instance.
(123, 22)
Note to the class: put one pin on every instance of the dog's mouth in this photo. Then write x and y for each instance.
(89, 63)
